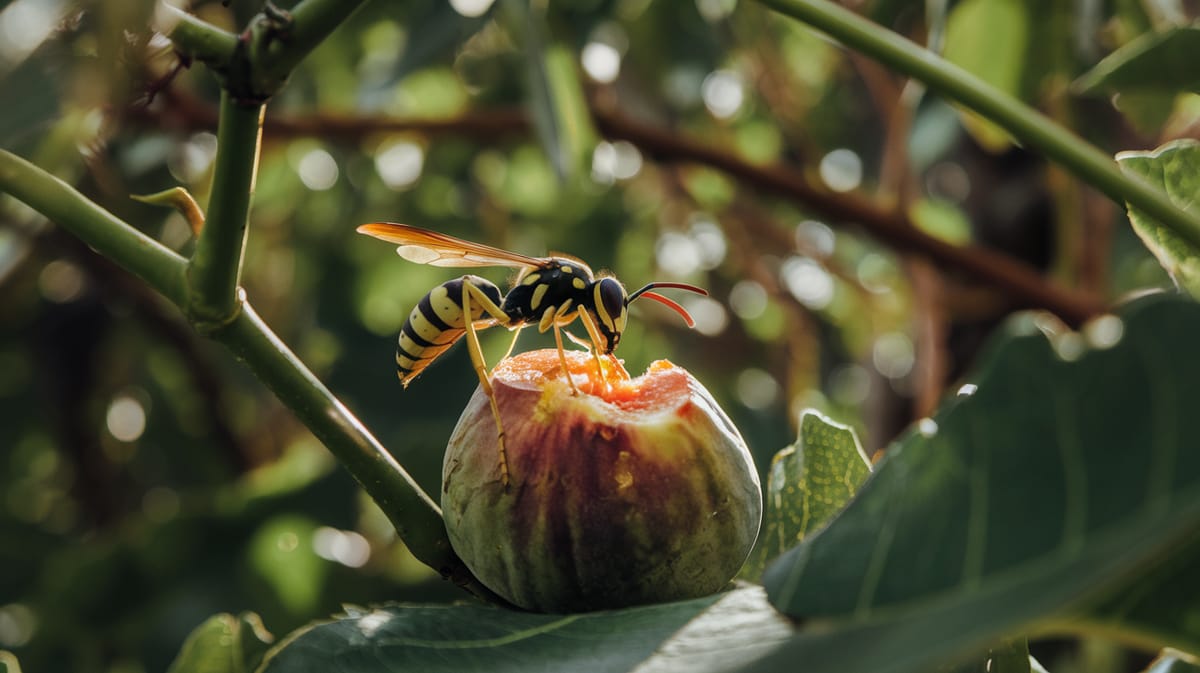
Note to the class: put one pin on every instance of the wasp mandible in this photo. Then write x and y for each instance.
(550, 292)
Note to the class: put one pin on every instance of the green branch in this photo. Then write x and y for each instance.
(416, 517)
(1034, 129)
(144, 257)
(279, 41)
(197, 39)
(206, 287)
(254, 65)
(215, 268)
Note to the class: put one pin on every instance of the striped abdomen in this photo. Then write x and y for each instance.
(437, 322)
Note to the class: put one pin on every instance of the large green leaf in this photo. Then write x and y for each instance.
(224, 644)
(1070, 472)
(809, 482)
(1010, 656)
(1175, 168)
(1163, 62)
(989, 38)
(1159, 607)
(705, 634)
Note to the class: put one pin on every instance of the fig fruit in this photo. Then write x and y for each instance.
(632, 491)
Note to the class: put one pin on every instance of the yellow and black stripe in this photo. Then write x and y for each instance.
(437, 322)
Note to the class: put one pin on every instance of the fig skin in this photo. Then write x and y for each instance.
(647, 498)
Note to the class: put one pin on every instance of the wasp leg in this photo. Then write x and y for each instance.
(562, 358)
(556, 318)
(594, 335)
(512, 344)
(476, 352)
(616, 362)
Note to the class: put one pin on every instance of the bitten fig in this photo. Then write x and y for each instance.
(632, 491)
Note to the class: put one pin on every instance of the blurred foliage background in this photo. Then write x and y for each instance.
(148, 481)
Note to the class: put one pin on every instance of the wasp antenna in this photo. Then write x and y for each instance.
(677, 286)
(687, 317)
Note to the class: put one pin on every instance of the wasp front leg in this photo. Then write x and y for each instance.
(556, 317)
(472, 293)
(594, 335)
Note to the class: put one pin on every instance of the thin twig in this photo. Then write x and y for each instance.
(1026, 287)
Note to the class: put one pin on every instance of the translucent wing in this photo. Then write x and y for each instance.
(429, 247)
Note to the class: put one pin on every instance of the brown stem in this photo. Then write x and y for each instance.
(930, 327)
(1026, 287)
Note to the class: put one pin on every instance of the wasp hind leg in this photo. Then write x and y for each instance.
(470, 292)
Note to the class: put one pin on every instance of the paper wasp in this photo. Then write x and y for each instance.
(550, 292)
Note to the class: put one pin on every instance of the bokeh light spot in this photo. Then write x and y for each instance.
(18, 623)
(24, 25)
(850, 384)
(400, 163)
(841, 170)
(893, 355)
(61, 281)
(815, 238)
(126, 418)
(318, 170)
(756, 388)
(602, 62)
(748, 299)
(710, 316)
(710, 241)
(677, 254)
(723, 93)
(715, 10)
(342, 546)
(810, 284)
(471, 8)
(615, 161)
(1104, 332)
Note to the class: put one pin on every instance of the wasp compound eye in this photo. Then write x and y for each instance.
(610, 307)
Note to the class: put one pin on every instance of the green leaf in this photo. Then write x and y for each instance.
(282, 553)
(988, 38)
(1166, 62)
(704, 634)
(941, 218)
(1159, 607)
(224, 644)
(1069, 473)
(809, 482)
(556, 98)
(1011, 656)
(1148, 111)
(1174, 168)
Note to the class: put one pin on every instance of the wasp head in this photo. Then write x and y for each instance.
(610, 305)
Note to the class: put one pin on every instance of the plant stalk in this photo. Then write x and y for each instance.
(418, 520)
(160, 267)
(414, 514)
(215, 269)
(1025, 124)
(195, 38)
